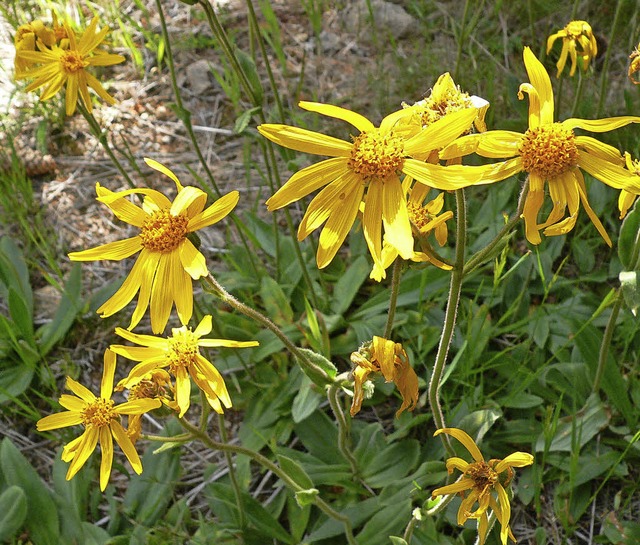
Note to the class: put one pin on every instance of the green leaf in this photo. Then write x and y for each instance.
(242, 122)
(320, 436)
(275, 301)
(249, 69)
(390, 520)
(348, 284)
(629, 232)
(14, 381)
(298, 515)
(13, 271)
(630, 291)
(68, 308)
(320, 361)
(397, 540)
(295, 471)
(42, 515)
(13, 512)
(306, 401)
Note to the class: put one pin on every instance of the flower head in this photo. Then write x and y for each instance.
(168, 260)
(367, 170)
(180, 354)
(27, 36)
(634, 65)
(550, 152)
(57, 65)
(483, 483)
(578, 42)
(390, 359)
(100, 417)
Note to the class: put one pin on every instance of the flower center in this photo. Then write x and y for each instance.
(482, 475)
(376, 155)
(184, 350)
(163, 232)
(548, 150)
(72, 62)
(418, 215)
(99, 413)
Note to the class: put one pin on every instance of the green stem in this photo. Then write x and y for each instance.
(102, 138)
(232, 471)
(212, 285)
(578, 94)
(455, 288)
(343, 429)
(607, 56)
(603, 355)
(393, 297)
(185, 116)
(275, 469)
(461, 39)
(478, 258)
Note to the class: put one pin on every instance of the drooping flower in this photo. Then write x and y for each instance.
(180, 353)
(367, 169)
(389, 358)
(483, 483)
(550, 152)
(626, 198)
(168, 260)
(634, 65)
(578, 42)
(55, 66)
(100, 417)
(425, 218)
(25, 40)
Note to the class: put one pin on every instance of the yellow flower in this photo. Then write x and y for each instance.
(578, 41)
(447, 97)
(634, 65)
(390, 359)
(626, 199)
(25, 40)
(67, 65)
(367, 169)
(551, 152)
(478, 483)
(424, 218)
(101, 419)
(181, 354)
(168, 260)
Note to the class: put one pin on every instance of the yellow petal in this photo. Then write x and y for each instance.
(183, 296)
(457, 463)
(138, 406)
(72, 403)
(517, 459)
(358, 121)
(204, 327)
(126, 291)
(116, 251)
(183, 390)
(462, 484)
(446, 178)
(81, 391)
(106, 386)
(59, 420)
(106, 446)
(465, 439)
(397, 229)
(149, 264)
(539, 78)
(592, 215)
(499, 144)
(360, 375)
(372, 221)
(159, 343)
(189, 197)
(214, 213)
(608, 173)
(306, 181)
(161, 298)
(126, 445)
(441, 133)
(600, 125)
(84, 449)
(191, 260)
(600, 149)
(305, 140)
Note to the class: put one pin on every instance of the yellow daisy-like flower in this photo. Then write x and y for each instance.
(479, 482)
(367, 169)
(446, 97)
(550, 152)
(59, 66)
(180, 353)
(578, 41)
(425, 219)
(168, 260)
(389, 358)
(626, 199)
(634, 65)
(101, 419)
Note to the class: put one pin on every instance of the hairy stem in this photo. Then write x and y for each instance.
(393, 297)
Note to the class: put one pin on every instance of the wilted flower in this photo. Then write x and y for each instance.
(578, 42)
(483, 483)
(634, 65)
(101, 419)
(389, 358)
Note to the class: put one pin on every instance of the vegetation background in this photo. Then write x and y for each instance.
(525, 352)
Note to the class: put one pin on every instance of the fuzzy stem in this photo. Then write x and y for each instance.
(393, 297)
(343, 428)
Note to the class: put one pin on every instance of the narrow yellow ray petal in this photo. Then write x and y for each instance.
(465, 439)
(81, 391)
(106, 385)
(106, 446)
(395, 217)
(84, 449)
(126, 445)
(117, 250)
(305, 140)
(608, 173)
(214, 213)
(59, 420)
(358, 121)
(539, 78)
(600, 125)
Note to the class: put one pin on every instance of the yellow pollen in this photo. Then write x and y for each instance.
(418, 215)
(72, 62)
(163, 232)
(482, 475)
(376, 155)
(99, 413)
(184, 350)
(548, 150)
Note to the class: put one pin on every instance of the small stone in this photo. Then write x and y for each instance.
(387, 17)
(199, 76)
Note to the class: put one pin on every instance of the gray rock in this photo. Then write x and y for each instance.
(387, 18)
(199, 77)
